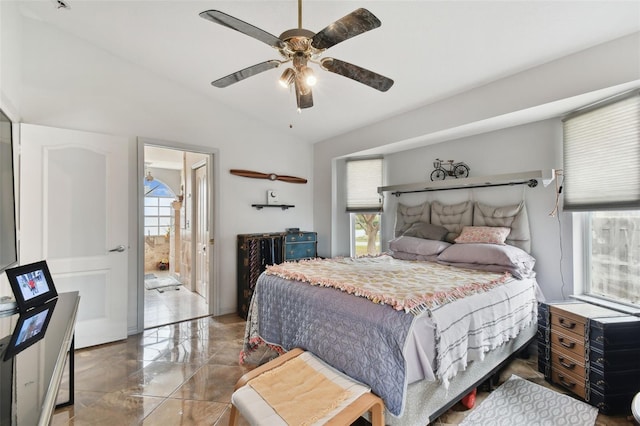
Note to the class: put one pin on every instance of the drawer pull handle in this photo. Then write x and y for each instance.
(568, 325)
(569, 345)
(600, 339)
(600, 382)
(570, 365)
(567, 384)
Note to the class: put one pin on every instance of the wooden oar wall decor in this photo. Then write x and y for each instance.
(269, 176)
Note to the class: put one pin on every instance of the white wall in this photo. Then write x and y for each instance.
(533, 95)
(62, 81)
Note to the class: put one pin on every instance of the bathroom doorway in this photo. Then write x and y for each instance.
(176, 234)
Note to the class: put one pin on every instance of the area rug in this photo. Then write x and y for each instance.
(152, 282)
(518, 402)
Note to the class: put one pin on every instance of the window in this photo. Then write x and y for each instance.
(613, 255)
(363, 179)
(364, 204)
(602, 179)
(158, 213)
(365, 231)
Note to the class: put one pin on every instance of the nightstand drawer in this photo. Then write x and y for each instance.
(573, 346)
(568, 323)
(566, 364)
(568, 381)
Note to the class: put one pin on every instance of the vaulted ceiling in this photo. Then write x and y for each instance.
(431, 49)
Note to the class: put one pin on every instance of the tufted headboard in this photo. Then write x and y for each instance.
(455, 216)
(408, 215)
(514, 217)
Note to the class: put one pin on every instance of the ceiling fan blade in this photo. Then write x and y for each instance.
(245, 73)
(357, 22)
(304, 100)
(243, 27)
(357, 73)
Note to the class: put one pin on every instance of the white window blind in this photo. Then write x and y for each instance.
(363, 179)
(602, 156)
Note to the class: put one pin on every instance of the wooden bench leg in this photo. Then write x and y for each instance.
(377, 413)
(233, 417)
(367, 402)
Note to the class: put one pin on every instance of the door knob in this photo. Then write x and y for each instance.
(119, 249)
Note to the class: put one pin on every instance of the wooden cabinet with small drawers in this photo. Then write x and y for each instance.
(300, 245)
(591, 351)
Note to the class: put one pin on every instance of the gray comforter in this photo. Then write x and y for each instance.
(364, 340)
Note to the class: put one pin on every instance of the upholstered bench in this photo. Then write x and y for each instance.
(299, 388)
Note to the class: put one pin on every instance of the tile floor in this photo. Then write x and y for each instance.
(172, 304)
(183, 374)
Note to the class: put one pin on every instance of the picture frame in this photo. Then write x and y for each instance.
(31, 328)
(31, 284)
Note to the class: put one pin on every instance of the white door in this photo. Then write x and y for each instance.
(74, 214)
(202, 232)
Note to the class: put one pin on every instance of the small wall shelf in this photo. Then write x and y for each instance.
(282, 206)
(524, 178)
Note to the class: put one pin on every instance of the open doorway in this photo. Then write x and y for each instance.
(176, 235)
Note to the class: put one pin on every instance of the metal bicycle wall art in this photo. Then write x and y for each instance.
(442, 169)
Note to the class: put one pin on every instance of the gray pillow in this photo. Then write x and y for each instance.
(489, 257)
(412, 256)
(418, 246)
(426, 231)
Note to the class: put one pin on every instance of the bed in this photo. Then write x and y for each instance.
(421, 325)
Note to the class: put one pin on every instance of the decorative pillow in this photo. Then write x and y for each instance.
(418, 246)
(489, 257)
(483, 234)
(426, 231)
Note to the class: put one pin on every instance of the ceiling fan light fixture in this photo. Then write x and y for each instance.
(287, 77)
(302, 86)
(309, 77)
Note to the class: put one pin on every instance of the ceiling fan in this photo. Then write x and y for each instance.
(301, 47)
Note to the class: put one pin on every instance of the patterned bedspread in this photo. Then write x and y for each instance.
(367, 340)
(404, 285)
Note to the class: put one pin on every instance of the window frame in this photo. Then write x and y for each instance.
(171, 216)
(582, 250)
(352, 230)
